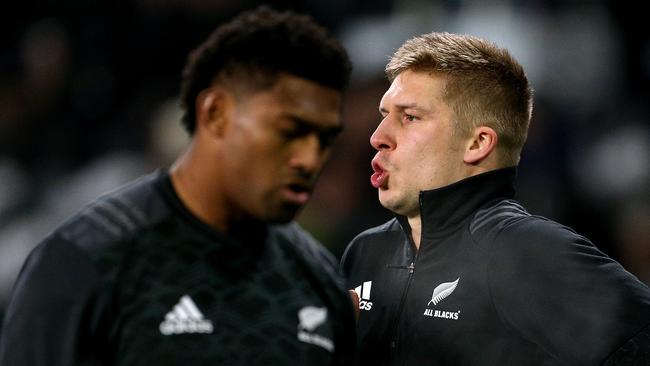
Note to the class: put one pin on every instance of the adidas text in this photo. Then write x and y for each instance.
(365, 305)
(186, 326)
(363, 292)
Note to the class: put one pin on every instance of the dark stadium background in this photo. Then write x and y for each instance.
(88, 101)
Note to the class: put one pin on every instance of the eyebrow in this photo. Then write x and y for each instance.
(405, 106)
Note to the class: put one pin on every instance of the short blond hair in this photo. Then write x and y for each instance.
(485, 85)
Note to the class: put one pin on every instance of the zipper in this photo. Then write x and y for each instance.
(411, 268)
(400, 309)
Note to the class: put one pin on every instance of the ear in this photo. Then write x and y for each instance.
(481, 144)
(212, 110)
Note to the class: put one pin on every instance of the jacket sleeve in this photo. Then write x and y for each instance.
(555, 289)
(48, 318)
(635, 352)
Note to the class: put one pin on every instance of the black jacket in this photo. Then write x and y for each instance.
(490, 285)
(135, 279)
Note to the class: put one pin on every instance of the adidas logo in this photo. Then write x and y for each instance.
(363, 292)
(185, 317)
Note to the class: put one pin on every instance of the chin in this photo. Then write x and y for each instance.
(280, 220)
(398, 207)
(387, 201)
(389, 206)
(282, 216)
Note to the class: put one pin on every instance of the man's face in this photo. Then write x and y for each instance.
(275, 146)
(416, 147)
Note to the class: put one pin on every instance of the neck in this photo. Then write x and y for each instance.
(415, 223)
(198, 189)
(195, 178)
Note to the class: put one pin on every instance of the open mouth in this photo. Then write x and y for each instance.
(297, 193)
(379, 177)
(299, 188)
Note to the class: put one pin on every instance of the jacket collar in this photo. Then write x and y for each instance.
(444, 209)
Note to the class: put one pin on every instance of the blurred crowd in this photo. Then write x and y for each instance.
(88, 101)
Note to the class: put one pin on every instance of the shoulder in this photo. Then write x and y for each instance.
(525, 248)
(522, 245)
(55, 273)
(371, 241)
(492, 219)
(506, 225)
(115, 216)
(56, 257)
(306, 244)
(386, 232)
(538, 268)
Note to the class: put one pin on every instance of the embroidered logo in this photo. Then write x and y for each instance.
(363, 292)
(440, 293)
(309, 319)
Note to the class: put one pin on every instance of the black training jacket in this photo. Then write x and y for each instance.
(492, 285)
(135, 279)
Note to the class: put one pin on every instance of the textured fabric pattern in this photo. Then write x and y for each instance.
(157, 287)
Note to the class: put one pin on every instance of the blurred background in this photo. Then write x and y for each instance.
(88, 101)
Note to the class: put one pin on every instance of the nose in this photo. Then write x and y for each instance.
(382, 139)
(308, 155)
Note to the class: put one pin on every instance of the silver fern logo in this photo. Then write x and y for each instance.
(442, 291)
(310, 318)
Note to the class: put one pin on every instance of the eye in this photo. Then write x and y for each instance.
(293, 131)
(410, 117)
(289, 134)
(327, 138)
